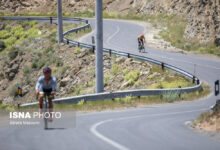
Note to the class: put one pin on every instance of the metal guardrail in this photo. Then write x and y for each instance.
(115, 94)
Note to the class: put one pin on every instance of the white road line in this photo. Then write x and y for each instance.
(119, 146)
(111, 142)
(114, 34)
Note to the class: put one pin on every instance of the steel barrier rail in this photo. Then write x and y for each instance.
(115, 94)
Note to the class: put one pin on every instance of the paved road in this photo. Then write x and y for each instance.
(151, 127)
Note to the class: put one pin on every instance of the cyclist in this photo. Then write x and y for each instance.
(141, 41)
(46, 84)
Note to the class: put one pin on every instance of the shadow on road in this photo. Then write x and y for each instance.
(55, 129)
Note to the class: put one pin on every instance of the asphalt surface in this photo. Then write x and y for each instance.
(151, 127)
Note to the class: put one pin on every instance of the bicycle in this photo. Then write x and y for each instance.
(46, 112)
(141, 48)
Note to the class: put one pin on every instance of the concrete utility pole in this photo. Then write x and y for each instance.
(60, 21)
(99, 48)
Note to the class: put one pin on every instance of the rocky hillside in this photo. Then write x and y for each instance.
(74, 68)
(203, 15)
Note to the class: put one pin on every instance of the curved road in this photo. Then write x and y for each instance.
(152, 127)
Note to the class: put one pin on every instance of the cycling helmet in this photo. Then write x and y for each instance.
(46, 70)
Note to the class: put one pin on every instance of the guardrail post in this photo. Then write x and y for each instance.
(194, 79)
(161, 96)
(93, 49)
(217, 88)
(139, 98)
(78, 44)
(128, 55)
(67, 42)
(87, 22)
(110, 53)
(51, 20)
(162, 66)
(198, 81)
(180, 91)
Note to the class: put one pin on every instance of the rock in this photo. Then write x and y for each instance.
(216, 108)
(119, 60)
(217, 41)
(137, 62)
(1, 76)
(145, 73)
(11, 76)
(26, 89)
(14, 68)
(4, 87)
(82, 54)
(107, 65)
(128, 61)
(64, 81)
(7, 100)
(26, 4)
(72, 3)
(125, 84)
(62, 44)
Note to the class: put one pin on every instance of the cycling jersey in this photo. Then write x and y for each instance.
(43, 86)
(141, 37)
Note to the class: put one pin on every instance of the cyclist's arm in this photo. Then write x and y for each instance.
(38, 84)
(54, 86)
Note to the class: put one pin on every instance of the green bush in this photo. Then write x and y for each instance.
(53, 39)
(34, 65)
(77, 50)
(41, 64)
(14, 90)
(115, 69)
(28, 80)
(91, 82)
(126, 71)
(80, 103)
(26, 70)
(2, 46)
(106, 78)
(4, 34)
(10, 41)
(131, 77)
(13, 53)
(151, 76)
(64, 69)
(77, 90)
(49, 49)
(58, 61)
(211, 51)
(204, 117)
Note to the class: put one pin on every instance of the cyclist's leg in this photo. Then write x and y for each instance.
(143, 47)
(142, 43)
(139, 44)
(41, 103)
(41, 97)
(50, 98)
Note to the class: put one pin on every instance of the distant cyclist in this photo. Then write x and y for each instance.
(46, 84)
(141, 41)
